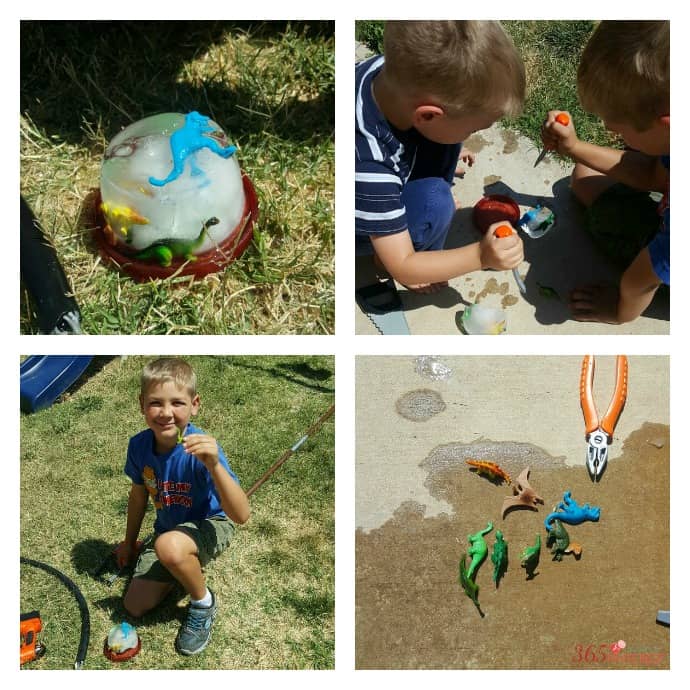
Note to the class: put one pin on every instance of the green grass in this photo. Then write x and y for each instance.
(275, 583)
(269, 85)
(551, 52)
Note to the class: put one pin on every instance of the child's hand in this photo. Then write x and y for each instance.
(124, 554)
(500, 253)
(558, 132)
(203, 447)
(467, 157)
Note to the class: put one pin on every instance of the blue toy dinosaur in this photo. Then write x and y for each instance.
(573, 514)
(185, 142)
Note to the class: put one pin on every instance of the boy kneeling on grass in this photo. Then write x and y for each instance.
(195, 493)
(624, 77)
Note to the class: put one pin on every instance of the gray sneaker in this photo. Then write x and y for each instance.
(195, 632)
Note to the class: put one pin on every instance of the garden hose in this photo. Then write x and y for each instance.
(83, 607)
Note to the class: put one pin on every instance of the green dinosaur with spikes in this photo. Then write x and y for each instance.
(499, 557)
(529, 559)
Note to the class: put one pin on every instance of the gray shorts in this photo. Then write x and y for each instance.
(211, 537)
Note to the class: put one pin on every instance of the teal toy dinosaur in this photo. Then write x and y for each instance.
(499, 557)
(572, 513)
(559, 537)
(478, 549)
(529, 559)
(186, 141)
(164, 251)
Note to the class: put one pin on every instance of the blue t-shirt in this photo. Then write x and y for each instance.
(179, 484)
(387, 158)
(660, 247)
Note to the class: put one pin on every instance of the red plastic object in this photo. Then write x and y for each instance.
(503, 231)
(127, 654)
(493, 209)
(209, 262)
(563, 119)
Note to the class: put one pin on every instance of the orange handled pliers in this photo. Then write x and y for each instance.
(599, 432)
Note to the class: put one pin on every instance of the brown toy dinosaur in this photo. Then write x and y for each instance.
(525, 496)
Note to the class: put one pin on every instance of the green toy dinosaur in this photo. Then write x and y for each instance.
(561, 542)
(529, 559)
(499, 557)
(478, 549)
(471, 588)
(165, 250)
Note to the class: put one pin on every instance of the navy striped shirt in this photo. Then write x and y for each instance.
(387, 158)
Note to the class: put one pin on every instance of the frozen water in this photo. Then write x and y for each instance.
(179, 209)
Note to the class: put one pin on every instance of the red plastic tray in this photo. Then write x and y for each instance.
(495, 208)
(211, 261)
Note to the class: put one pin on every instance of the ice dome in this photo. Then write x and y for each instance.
(171, 189)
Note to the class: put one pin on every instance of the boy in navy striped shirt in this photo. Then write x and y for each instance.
(439, 82)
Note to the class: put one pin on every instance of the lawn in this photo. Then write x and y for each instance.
(275, 583)
(269, 85)
(551, 52)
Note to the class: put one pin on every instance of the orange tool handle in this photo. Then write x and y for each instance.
(503, 231)
(586, 400)
(608, 421)
(563, 119)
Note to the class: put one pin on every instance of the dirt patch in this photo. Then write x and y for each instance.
(412, 613)
(491, 179)
(509, 301)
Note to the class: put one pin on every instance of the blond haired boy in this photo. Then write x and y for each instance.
(624, 77)
(437, 83)
(196, 495)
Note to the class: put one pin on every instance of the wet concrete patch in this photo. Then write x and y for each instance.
(420, 405)
(510, 141)
(492, 287)
(491, 179)
(412, 613)
(476, 142)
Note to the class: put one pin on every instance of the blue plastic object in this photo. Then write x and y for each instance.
(43, 378)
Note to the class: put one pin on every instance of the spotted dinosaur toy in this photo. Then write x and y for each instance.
(499, 556)
(529, 558)
(489, 469)
(559, 537)
(186, 141)
(165, 250)
(572, 513)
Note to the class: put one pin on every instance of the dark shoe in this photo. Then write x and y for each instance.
(195, 632)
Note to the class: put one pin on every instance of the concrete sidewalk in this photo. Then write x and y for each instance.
(417, 500)
(563, 259)
(519, 400)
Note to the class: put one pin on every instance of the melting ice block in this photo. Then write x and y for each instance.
(171, 188)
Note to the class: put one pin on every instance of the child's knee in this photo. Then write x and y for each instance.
(135, 605)
(170, 550)
(587, 185)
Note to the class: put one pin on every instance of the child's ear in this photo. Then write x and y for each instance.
(196, 402)
(141, 403)
(424, 114)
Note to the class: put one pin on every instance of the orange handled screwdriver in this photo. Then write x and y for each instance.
(507, 231)
(562, 119)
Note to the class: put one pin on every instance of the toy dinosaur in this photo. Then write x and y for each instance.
(478, 549)
(185, 142)
(529, 559)
(573, 513)
(469, 586)
(120, 218)
(499, 556)
(164, 251)
(561, 542)
(525, 496)
(489, 469)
